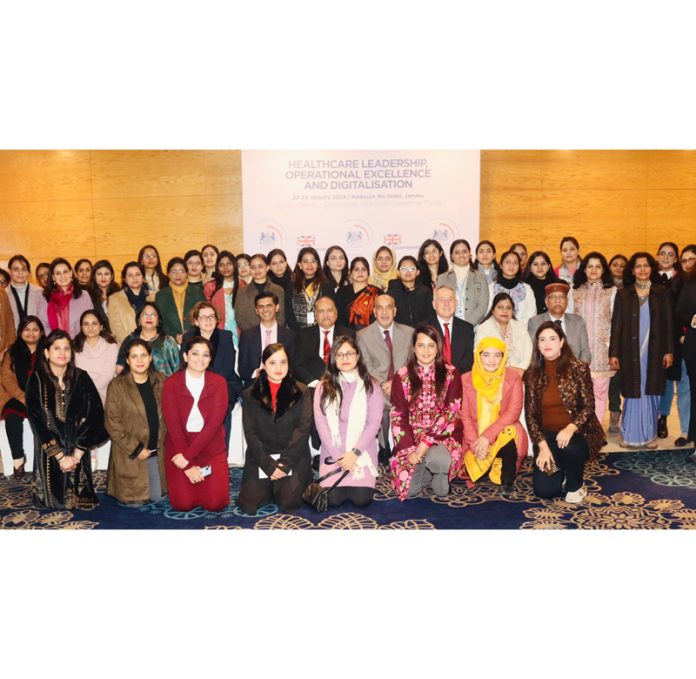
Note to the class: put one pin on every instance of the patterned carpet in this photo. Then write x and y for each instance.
(645, 490)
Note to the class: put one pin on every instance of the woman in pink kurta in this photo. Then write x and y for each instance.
(593, 300)
(426, 401)
(348, 415)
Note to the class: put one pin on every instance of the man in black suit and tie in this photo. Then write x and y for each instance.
(457, 335)
(254, 340)
(313, 350)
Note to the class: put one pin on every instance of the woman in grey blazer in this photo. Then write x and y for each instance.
(469, 285)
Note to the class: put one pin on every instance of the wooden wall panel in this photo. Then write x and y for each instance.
(613, 201)
(109, 203)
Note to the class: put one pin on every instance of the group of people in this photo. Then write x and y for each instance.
(440, 370)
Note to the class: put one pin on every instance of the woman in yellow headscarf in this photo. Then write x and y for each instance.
(495, 443)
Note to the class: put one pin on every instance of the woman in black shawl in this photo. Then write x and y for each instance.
(67, 418)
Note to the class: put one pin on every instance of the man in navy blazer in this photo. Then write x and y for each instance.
(253, 340)
(461, 332)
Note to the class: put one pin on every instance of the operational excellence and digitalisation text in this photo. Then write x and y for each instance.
(371, 173)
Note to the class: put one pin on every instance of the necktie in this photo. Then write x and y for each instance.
(327, 346)
(447, 347)
(266, 339)
(559, 323)
(390, 346)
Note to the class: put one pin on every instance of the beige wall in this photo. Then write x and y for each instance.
(108, 203)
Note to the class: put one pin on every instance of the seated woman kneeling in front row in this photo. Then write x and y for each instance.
(494, 439)
(194, 404)
(348, 407)
(560, 409)
(277, 417)
(426, 402)
(134, 421)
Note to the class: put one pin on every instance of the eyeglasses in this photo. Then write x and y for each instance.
(207, 317)
(145, 314)
(346, 354)
(407, 269)
(686, 260)
(666, 253)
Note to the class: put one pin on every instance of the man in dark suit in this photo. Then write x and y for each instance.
(313, 348)
(314, 343)
(254, 340)
(457, 335)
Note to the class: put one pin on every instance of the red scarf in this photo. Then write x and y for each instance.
(59, 308)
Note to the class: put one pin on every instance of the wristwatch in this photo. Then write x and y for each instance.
(356, 451)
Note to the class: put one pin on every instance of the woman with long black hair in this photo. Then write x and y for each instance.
(222, 292)
(431, 263)
(309, 285)
(348, 406)
(560, 411)
(277, 416)
(67, 418)
(149, 259)
(426, 402)
(17, 365)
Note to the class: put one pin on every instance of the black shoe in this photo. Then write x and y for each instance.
(508, 488)
(384, 455)
(662, 427)
(19, 472)
(315, 463)
(680, 442)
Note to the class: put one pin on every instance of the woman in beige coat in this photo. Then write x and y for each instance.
(133, 418)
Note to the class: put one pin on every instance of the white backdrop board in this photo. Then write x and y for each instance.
(358, 200)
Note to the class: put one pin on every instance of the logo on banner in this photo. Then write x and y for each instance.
(357, 235)
(443, 231)
(392, 239)
(270, 236)
(306, 241)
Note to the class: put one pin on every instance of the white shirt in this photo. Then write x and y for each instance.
(442, 322)
(195, 386)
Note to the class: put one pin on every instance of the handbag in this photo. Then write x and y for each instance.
(317, 495)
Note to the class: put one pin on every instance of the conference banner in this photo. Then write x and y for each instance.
(358, 200)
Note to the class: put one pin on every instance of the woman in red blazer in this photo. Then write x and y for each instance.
(494, 439)
(194, 405)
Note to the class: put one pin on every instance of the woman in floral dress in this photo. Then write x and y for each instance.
(426, 401)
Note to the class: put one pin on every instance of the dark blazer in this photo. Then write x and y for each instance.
(462, 341)
(625, 339)
(412, 306)
(250, 350)
(223, 360)
(307, 364)
(170, 316)
(686, 308)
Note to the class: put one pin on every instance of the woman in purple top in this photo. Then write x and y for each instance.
(348, 414)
